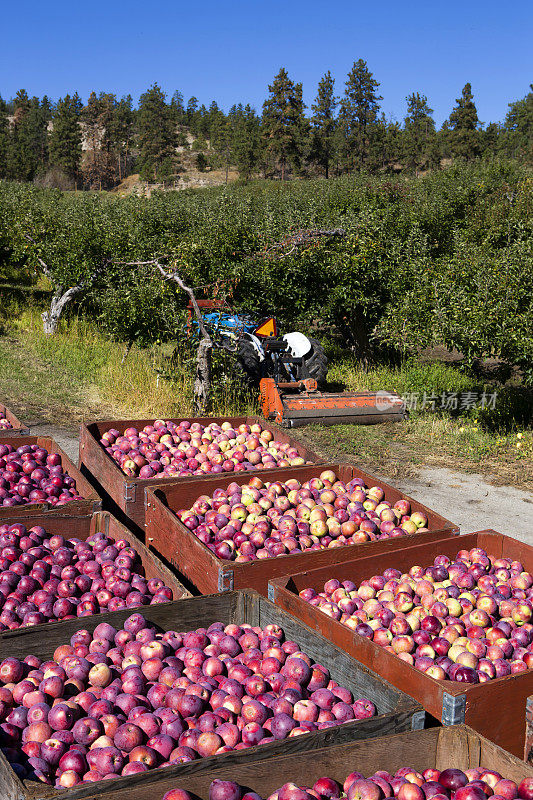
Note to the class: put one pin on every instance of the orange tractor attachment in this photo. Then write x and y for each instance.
(298, 403)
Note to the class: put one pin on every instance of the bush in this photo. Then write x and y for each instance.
(442, 259)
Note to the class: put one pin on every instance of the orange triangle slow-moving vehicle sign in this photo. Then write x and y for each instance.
(267, 328)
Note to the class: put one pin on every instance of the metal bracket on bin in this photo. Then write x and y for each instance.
(418, 720)
(130, 492)
(225, 581)
(271, 593)
(453, 709)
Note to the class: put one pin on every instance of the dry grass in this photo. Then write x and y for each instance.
(80, 373)
(398, 450)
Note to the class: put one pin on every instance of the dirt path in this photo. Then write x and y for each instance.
(475, 505)
(464, 498)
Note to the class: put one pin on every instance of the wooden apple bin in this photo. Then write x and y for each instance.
(83, 526)
(183, 550)
(439, 748)
(494, 709)
(125, 496)
(89, 503)
(397, 711)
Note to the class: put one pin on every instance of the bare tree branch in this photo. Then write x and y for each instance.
(300, 240)
(202, 382)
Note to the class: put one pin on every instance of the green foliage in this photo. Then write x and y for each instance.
(157, 136)
(134, 306)
(443, 259)
(65, 139)
(284, 124)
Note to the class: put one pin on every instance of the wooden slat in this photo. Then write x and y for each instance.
(180, 547)
(90, 503)
(18, 429)
(437, 747)
(509, 693)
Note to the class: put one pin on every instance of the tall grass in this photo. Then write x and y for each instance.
(136, 382)
(407, 379)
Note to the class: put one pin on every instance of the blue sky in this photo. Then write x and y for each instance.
(230, 51)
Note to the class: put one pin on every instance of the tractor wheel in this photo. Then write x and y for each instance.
(248, 364)
(316, 362)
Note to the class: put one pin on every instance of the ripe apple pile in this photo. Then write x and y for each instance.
(45, 578)
(118, 702)
(29, 474)
(166, 450)
(405, 784)
(5, 425)
(467, 620)
(267, 519)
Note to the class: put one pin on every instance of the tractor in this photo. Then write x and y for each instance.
(289, 371)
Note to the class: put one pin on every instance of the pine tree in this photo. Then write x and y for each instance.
(518, 128)
(20, 164)
(199, 123)
(284, 124)
(43, 137)
(192, 108)
(122, 130)
(157, 136)
(464, 137)
(4, 138)
(491, 139)
(28, 137)
(419, 132)
(66, 136)
(323, 123)
(177, 108)
(246, 139)
(220, 136)
(359, 113)
(385, 146)
(97, 118)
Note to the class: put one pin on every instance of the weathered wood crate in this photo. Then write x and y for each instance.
(439, 748)
(397, 711)
(183, 550)
(495, 709)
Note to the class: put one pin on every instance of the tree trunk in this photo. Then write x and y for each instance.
(50, 322)
(60, 301)
(359, 339)
(202, 381)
